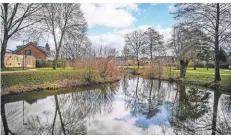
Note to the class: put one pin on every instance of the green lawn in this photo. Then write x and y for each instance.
(203, 75)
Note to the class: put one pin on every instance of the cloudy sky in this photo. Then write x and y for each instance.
(108, 23)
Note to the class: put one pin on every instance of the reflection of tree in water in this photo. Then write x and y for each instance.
(192, 105)
(146, 98)
(72, 111)
(221, 118)
(11, 116)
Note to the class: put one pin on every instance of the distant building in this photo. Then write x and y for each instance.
(165, 59)
(31, 48)
(145, 61)
(120, 61)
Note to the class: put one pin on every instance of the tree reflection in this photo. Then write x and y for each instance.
(192, 105)
(145, 99)
(72, 111)
(4, 120)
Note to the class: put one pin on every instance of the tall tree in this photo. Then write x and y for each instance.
(135, 41)
(213, 19)
(61, 20)
(185, 39)
(15, 18)
(155, 42)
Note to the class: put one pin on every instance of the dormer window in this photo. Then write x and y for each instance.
(27, 52)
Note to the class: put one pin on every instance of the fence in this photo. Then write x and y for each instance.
(12, 60)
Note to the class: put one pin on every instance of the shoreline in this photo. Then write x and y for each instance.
(56, 85)
(196, 83)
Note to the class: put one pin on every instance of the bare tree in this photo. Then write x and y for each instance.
(15, 18)
(213, 19)
(155, 42)
(125, 53)
(62, 20)
(135, 41)
(76, 47)
(185, 39)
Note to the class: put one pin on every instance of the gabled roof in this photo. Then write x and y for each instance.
(41, 48)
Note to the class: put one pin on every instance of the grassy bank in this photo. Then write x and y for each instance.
(201, 76)
(49, 79)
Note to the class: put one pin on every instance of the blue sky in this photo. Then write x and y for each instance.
(108, 22)
(148, 14)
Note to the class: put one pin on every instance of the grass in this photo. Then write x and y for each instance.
(47, 78)
(37, 77)
(203, 75)
(199, 76)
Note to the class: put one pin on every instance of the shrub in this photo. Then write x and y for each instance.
(200, 65)
(152, 71)
(43, 63)
(106, 67)
(90, 76)
(210, 65)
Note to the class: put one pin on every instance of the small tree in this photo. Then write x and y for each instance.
(125, 53)
(135, 41)
(154, 43)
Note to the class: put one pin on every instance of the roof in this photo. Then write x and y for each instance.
(41, 48)
(8, 51)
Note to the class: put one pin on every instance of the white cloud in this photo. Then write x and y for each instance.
(171, 8)
(116, 39)
(110, 15)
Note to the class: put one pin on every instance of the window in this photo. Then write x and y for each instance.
(27, 52)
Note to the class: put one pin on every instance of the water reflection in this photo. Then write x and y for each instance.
(134, 106)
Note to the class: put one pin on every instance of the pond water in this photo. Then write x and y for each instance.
(131, 106)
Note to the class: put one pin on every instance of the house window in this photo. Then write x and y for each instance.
(27, 52)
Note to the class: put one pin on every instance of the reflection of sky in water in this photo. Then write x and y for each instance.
(120, 120)
(161, 118)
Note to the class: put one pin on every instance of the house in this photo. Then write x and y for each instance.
(164, 59)
(31, 48)
(120, 61)
(145, 61)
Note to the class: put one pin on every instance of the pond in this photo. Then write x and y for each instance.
(131, 106)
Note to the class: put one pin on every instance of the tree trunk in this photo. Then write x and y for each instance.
(5, 36)
(215, 107)
(183, 67)
(207, 65)
(138, 63)
(3, 52)
(194, 66)
(217, 61)
(56, 60)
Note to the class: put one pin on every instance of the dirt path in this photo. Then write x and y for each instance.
(29, 70)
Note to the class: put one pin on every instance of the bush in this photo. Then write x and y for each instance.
(90, 76)
(152, 71)
(43, 63)
(224, 65)
(200, 65)
(210, 65)
(106, 67)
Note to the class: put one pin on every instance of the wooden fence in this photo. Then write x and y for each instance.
(12, 60)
